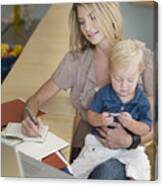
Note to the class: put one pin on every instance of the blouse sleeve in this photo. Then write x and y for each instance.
(65, 74)
(147, 75)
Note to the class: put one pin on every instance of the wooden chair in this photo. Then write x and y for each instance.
(151, 145)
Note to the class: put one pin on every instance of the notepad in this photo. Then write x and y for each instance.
(13, 131)
(38, 151)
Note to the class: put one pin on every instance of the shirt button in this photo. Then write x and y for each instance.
(96, 89)
(93, 149)
(122, 108)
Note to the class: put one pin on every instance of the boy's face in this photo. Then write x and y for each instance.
(124, 82)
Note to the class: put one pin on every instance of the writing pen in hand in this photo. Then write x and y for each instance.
(30, 115)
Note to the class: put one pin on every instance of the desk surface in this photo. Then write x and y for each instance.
(38, 61)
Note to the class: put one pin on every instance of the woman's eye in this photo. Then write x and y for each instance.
(93, 17)
(130, 80)
(81, 22)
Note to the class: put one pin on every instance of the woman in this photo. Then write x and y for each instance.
(95, 28)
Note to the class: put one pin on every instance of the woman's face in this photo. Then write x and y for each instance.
(88, 26)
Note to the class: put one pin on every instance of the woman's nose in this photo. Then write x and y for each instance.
(88, 25)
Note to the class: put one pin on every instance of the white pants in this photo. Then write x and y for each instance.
(94, 153)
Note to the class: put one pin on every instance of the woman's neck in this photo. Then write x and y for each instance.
(103, 49)
(101, 61)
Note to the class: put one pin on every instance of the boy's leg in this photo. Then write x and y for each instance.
(111, 169)
(92, 154)
(137, 163)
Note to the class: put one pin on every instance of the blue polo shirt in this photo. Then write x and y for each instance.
(106, 100)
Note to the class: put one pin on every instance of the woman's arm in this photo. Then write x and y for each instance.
(46, 91)
(119, 138)
(114, 138)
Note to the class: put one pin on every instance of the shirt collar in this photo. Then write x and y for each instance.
(114, 97)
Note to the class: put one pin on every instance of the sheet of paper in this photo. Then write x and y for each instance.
(14, 130)
(10, 142)
(51, 144)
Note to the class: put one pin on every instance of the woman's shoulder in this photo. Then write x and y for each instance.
(79, 55)
(148, 53)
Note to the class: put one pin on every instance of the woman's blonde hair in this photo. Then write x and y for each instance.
(127, 54)
(109, 20)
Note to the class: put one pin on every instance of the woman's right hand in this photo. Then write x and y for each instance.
(114, 138)
(45, 92)
(29, 128)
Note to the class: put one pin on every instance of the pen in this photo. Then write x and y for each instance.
(28, 112)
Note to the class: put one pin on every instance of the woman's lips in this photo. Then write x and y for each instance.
(92, 34)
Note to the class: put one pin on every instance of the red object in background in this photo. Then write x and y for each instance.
(12, 111)
(55, 161)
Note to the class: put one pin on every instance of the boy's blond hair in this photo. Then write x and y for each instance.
(109, 20)
(127, 54)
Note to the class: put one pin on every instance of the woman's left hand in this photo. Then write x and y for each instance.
(114, 138)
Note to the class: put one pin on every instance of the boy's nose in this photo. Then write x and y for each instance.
(124, 84)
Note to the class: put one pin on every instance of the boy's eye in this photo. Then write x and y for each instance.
(118, 79)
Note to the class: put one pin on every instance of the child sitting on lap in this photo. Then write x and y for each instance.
(122, 101)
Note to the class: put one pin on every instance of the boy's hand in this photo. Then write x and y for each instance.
(125, 118)
(106, 119)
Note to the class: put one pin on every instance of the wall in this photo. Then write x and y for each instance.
(138, 19)
(38, 10)
(138, 22)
